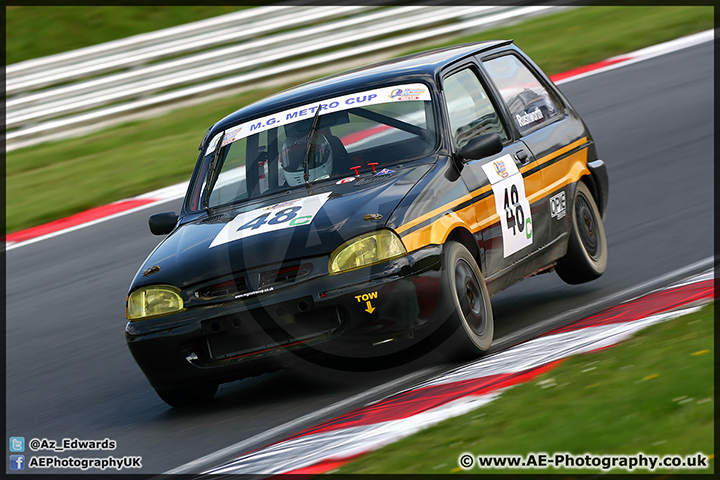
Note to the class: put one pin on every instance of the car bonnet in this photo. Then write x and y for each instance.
(301, 224)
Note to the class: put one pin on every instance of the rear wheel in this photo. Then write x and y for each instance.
(188, 396)
(586, 257)
(471, 318)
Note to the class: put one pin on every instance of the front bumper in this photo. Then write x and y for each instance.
(348, 318)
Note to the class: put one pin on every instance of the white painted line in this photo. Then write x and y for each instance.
(292, 426)
(308, 450)
(622, 296)
(634, 57)
(12, 246)
(648, 53)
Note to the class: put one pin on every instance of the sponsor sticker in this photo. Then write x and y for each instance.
(256, 292)
(231, 135)
(557, 205)
(529, 117)
(213, 143)
(408, 92)
(280, 216)
(345, 180)
(511, 204)
(281, 205)
(500, 168)
(384, 171)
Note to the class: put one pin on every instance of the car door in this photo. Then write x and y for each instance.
(553, 133)
(505, 221)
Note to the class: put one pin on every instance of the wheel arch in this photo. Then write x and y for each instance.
(462, 235)
(597, 183)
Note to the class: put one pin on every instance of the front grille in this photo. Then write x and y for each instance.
(284, 274)
(233, 288)
(222, 289)
(259, 333)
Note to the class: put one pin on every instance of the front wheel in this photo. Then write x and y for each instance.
(586, 257)
(471, 319)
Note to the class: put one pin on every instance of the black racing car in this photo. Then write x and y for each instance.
(367, 217)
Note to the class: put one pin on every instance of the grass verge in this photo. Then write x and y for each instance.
(57, 179)
(653, 393)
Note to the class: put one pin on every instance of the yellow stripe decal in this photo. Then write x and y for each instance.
(480, 191)
(564, 172)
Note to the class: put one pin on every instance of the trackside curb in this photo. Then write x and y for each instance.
(332, 443)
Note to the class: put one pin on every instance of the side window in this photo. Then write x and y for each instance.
(529, 102)
(470, 109)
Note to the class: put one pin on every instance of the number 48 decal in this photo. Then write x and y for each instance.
(511, 204)
(514, 213)
(282, 216)
(290, 214)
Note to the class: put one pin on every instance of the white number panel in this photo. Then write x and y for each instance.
(290, 214)
(511, 204)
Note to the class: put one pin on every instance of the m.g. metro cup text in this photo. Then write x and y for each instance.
(565, 460)
(117, 463)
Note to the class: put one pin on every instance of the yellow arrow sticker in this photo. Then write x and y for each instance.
(367, 297)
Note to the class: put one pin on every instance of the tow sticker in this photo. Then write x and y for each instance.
(293, 213)
(511, 204)
(367, 298)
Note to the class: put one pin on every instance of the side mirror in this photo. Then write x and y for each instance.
(162, 223)
(482, 146)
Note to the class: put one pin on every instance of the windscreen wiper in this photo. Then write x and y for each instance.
(309, 141)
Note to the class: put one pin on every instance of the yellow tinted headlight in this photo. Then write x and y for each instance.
(365, 250)
(153, 301)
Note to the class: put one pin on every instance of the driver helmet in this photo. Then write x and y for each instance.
(293, 153)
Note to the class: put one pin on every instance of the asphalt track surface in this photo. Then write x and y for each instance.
(70, 375)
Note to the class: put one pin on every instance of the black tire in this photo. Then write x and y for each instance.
(586, 257)
(188, 396)
(470, 320)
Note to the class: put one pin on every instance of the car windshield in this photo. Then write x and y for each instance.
(360, 132)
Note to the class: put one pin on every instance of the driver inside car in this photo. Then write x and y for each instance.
(292, 156)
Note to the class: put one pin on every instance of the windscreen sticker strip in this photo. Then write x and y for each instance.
(290, 214)
(511, 204)
(403, 93)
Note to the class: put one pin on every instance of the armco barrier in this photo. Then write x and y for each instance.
(86, 89)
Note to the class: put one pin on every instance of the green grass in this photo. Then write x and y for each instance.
(653, 393)
(53, 180)
(37, 31)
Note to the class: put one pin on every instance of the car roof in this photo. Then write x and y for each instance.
(423, 65)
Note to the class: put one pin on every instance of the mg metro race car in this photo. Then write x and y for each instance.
(362, 218)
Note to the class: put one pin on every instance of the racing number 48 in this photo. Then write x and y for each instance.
(515, 214)
(281, 216)
(513, 210)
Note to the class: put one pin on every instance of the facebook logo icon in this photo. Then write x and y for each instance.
(17, 462)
